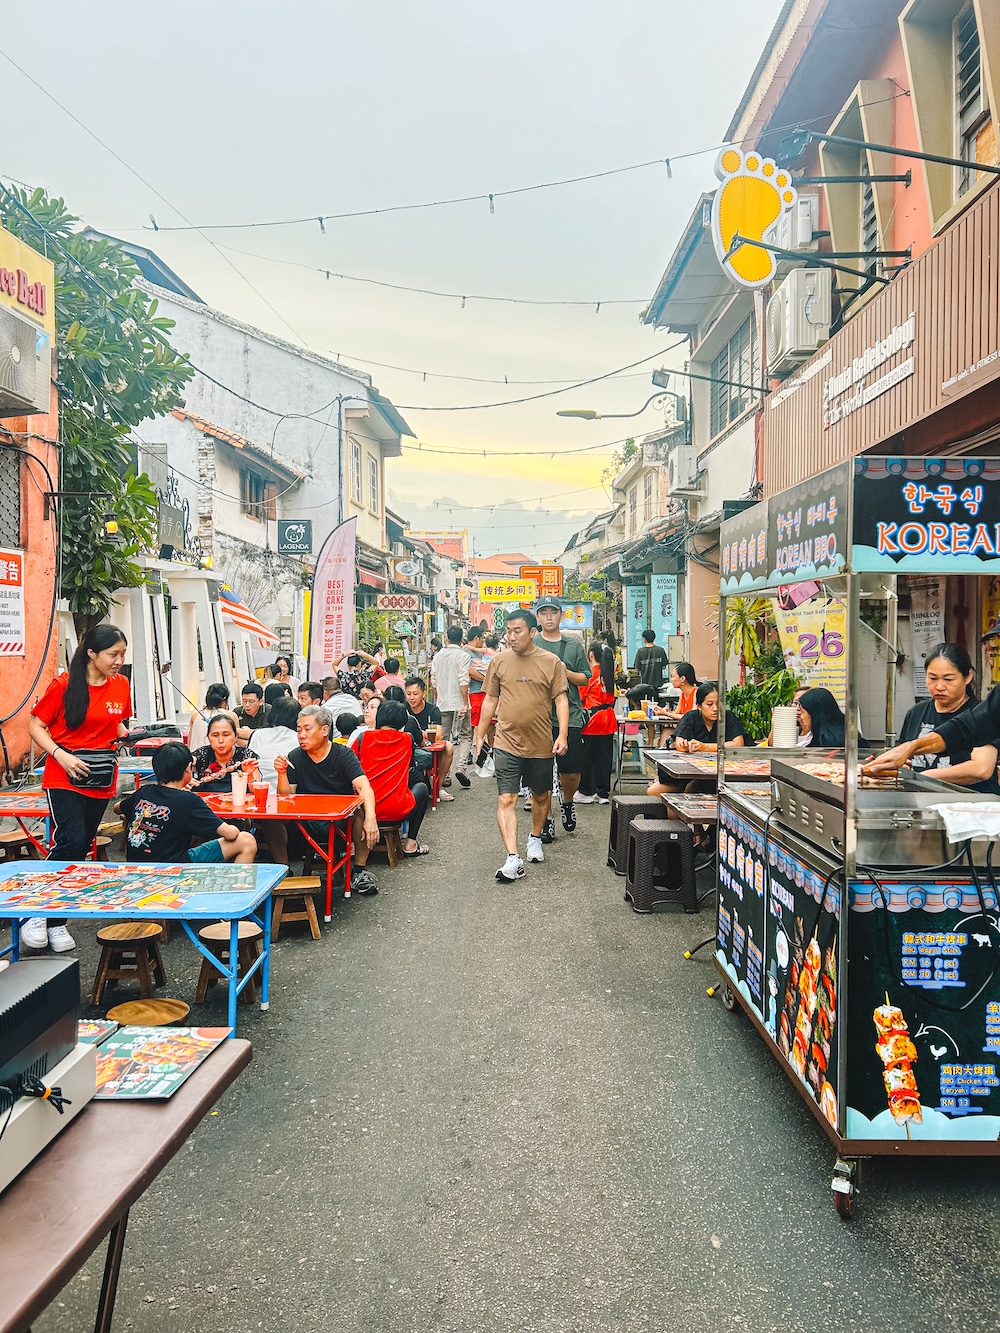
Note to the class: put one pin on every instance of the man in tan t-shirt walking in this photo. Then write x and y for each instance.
(521, 686)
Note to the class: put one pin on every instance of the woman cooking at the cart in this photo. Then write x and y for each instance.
(950, 737)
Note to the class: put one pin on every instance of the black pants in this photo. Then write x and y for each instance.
(598, 756)
(422, 796)
(75, 821)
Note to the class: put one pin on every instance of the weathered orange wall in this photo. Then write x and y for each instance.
(36, 437)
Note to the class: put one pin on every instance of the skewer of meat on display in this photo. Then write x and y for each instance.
(897, 1053)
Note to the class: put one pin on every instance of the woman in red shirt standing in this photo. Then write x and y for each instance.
(84, 709)
(598, 697)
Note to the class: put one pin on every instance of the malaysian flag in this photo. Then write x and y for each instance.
(235, 609)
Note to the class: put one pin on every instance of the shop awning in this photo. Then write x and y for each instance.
(235, 609)
(372, 580)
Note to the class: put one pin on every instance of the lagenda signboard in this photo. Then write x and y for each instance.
(927, 514)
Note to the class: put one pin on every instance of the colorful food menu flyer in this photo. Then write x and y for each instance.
(92, 1031)
(152, 1063)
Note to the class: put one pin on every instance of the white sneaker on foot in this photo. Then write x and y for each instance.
(536, 852)
(512, 869)
(60, 940)
(34, 933)
(586, 800)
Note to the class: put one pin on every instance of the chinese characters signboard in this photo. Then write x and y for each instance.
(548, 577)
(507, 590)
(397, 601)
(743, 558)
(11, 603)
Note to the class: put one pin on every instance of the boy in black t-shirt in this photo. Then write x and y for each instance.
(161, 818)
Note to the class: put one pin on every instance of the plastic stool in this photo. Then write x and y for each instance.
(130, 952)
(623, 810)
(655, 876)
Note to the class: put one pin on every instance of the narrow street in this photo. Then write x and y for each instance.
(475, 1107)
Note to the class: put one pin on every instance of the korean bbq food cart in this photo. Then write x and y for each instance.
(861, 942)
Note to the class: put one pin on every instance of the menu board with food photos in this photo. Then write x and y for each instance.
(777, 940)
(923, 1056)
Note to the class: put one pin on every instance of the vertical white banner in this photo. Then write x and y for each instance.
(926, 629)
(331, 619)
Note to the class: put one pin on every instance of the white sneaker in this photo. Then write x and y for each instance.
(535, 850)
(512, 869)
(60, 940)
(602, 800)
(34, 933)
(586, 800)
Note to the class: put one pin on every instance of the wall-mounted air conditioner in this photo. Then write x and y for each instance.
(682, 472)
(797, 319)
(25, 366)
(797, 226)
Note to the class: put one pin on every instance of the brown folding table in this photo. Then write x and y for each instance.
(81, 1188)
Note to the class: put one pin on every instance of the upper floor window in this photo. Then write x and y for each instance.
(258, 496)
(648, 508)
(633, 505)
(10, 497)
(356, 472)
(976, 140)
(373, 495)
(735, 365)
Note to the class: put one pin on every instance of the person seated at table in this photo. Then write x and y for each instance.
(390, 676)
(335, 701)
(253, 713)
(423, 760)
(162, 817)
(428, 718)
(347, 724)
(800, 740)
(698, 733)
(821, 723)
(389, 766)
(309, 692)
(277, 738)
(276, 690)
(367, 720)
(216, 762)
(684, 680)
(216, 701)
(317, 767)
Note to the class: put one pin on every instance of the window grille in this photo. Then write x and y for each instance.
(10, 497)
(356, 472)
(975, 130)
(736, 363)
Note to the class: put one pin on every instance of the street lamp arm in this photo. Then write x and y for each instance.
(585, 414)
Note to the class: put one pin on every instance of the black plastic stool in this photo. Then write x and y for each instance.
(623, 810)
(660, 866)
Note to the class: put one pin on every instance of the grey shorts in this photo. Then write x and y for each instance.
(511, 768)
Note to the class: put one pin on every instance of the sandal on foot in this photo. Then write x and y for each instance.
(419, 850)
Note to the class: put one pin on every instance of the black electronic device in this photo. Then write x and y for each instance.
(39, 1008)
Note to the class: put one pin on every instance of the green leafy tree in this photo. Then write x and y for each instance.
(619, 459)
(115, 369)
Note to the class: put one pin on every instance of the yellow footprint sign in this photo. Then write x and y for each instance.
(754, 193)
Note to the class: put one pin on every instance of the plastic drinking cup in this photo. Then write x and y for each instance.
(261, 791)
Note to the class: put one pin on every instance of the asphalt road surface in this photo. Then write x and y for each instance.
(479, 1108)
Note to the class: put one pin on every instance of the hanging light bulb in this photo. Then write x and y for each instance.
(111, 525)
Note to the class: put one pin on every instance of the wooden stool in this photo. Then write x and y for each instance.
(16, 845)
(149, 1013)
(216, 940)
(101, 845)
(294, 889)
(389, 838)
(130, 951)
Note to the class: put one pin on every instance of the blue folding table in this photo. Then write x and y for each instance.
(185, 893)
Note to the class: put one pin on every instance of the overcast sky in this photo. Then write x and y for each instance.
(245, 112)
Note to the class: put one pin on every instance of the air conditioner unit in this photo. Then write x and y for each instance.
(797, 319)
(25, 366)
(797, 226)
(682, 472)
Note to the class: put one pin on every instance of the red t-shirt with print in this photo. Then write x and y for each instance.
(110, 704)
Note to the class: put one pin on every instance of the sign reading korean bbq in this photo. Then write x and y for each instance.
(11, 603)
(927, 514)
(507, 590)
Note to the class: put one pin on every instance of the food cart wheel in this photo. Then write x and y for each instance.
(728, 998)
(845, 1187)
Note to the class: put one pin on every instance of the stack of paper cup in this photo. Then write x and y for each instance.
(784, 724)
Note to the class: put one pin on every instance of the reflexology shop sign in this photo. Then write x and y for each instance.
(852, 387)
